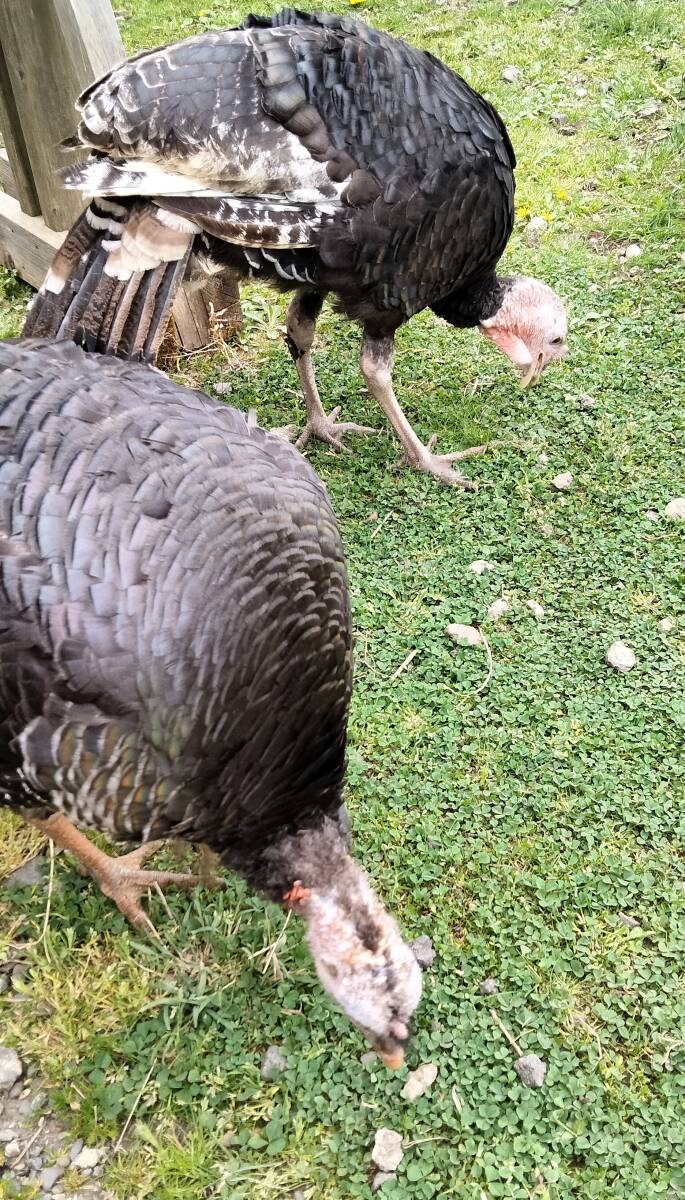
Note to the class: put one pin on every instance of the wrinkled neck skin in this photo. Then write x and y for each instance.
(360, 956)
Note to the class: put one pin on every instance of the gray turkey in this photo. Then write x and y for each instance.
(315, 152)
(175, 653)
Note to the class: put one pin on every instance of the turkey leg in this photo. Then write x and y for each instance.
(375, 363)
(121, 879)
(303, 310)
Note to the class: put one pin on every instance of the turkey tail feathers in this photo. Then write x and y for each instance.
(112, 283)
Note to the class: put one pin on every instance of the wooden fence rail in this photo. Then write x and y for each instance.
(50, 51)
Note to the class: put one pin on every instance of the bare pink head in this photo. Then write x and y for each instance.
(530, 326)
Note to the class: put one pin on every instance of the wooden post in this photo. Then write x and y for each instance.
(52, 50)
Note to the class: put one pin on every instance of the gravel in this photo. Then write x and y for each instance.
(274, 1063)
(536, 609)
(487, 987)
(387, 1150)
(380, 1178)
(562, 482)
(531, 1070)
(665, 625)
(510, 74)
(620, 657)
(87, 1158)
(10, 1067)
(419, 1081)
(49, 1177)
(675, 509)
(497, 609)
(464, 635)
(28, 874)
(422, 949)
(480, 565)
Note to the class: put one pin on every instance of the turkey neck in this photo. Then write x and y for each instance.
(478, 301)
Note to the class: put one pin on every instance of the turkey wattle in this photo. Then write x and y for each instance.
(175, 653)
(315, 152)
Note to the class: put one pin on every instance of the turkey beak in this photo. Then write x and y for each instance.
(394, 1060)
(534, 371)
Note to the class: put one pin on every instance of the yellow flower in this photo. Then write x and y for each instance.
(523, 211)
(546, 216)
(560, 194)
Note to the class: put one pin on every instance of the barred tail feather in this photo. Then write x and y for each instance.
(112, 283)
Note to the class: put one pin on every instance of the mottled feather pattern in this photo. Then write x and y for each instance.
(309, 149)
(175, 631)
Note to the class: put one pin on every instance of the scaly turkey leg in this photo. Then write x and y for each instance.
(375, 363)
(301, 321)
(121, 879)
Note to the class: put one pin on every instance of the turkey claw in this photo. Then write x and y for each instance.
(328, 430)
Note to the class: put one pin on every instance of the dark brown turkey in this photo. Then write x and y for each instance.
(175, 653)
(318, 153)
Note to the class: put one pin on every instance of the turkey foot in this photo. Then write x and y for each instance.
(438, 464)
(120, 879)
(328, 429)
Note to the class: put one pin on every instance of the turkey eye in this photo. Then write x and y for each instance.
(556, 341)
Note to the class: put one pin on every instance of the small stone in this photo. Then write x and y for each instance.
(581, 92)
(63, 1161)
(20, 974)
(497, 609)
(422, 949)
(562, 483)
(531, 1070)
(464, 635)
(380, 1178)
(419, 1081)
(620, 657)
(28, 874)
(4, 983)
(649, 109)
(12, 1150)
(651, 515)
(6, 1135)
(543, 459)
(75, 1149)
(369, 1058)
(587, 401)
(536, 609)
(273, 1064)
(10, 1067)
(49, 1177)
(628, 922)
(87, 1158)
(387, 1150)
(559, 119)
(480, 565)
(537, 225)
(665, 625)
(632, 251)
(675, 509)
(24, 1108)
(487, 987)
(222, 389)
(510, 74)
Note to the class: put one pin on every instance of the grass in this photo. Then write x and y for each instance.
(514, 825)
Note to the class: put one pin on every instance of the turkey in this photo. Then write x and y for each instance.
(315, 152)
(175, 654)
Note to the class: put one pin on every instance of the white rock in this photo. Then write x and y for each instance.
(581, 92)
(675, 509)
(537, 225)
(587, 401)
(543, 458)
(620, 657)
(562, 483)
(419, 1081)
(387, 1150)
(531, 1070)
(88, 1158)
(651, 515)
(12, 1150)
(10, 1067)
(536, 609)
(464, 635)
(480, 565)
(497, 609)
(510, 74)
(632, 251)
(665, 625)
(422, 949)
